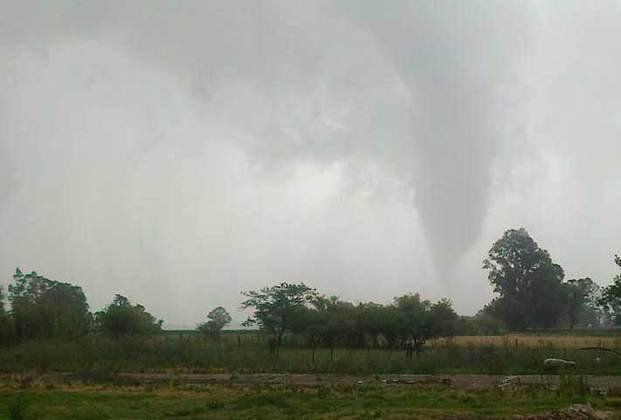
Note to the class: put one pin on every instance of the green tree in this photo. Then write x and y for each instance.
(6, 323)
(44, 308)
(443, 319)
(276, 308)
(371, 318)
(122, 318)
(420, 320)
(415, 322)
(217, 319)
(480, 324)
(310, 322)
(528, 282)
(610, 300)
(582, 306)
(337, 322)
(391, 324)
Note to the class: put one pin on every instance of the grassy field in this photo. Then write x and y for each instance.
(533, 340)
(169, 353)
(218, 401)
(246, 352)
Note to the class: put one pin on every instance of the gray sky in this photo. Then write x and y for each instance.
(180, 152)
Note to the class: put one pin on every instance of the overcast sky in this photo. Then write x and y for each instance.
(181, 152)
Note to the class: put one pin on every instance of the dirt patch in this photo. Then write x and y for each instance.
(603, 384)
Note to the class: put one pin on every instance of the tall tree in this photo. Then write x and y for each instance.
(582, 307)
(528, 282)
(276, 308)
(2, 310)
(217, 319)
(6, 323)
(415, 321)
(610, 299)
(44, 308)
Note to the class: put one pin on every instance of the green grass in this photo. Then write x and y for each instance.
(250, 355)
(248, 352)
(219, 401)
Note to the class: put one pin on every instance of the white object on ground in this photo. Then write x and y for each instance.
(558, 363)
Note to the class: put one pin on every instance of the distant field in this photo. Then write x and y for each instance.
(529, 340)
(249, 353)
(608, 338)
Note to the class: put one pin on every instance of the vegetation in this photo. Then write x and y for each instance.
(582, 306)
(610, 300)
(49, 326)
(528, 282)
(277, 308)
(122, 318)
(218, 318)
(220, 401)
(47, 309)
(297, 309)
(7, 333)
(530, 287)
(532, 294)
(248, 352)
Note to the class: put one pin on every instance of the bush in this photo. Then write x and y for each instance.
(122, 318)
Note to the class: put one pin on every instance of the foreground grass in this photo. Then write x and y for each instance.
(221, 401)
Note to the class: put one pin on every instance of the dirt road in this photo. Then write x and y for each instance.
(604, 383)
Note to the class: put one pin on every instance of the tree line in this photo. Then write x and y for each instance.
(408, 322)
(530, 293)
(45, 309)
